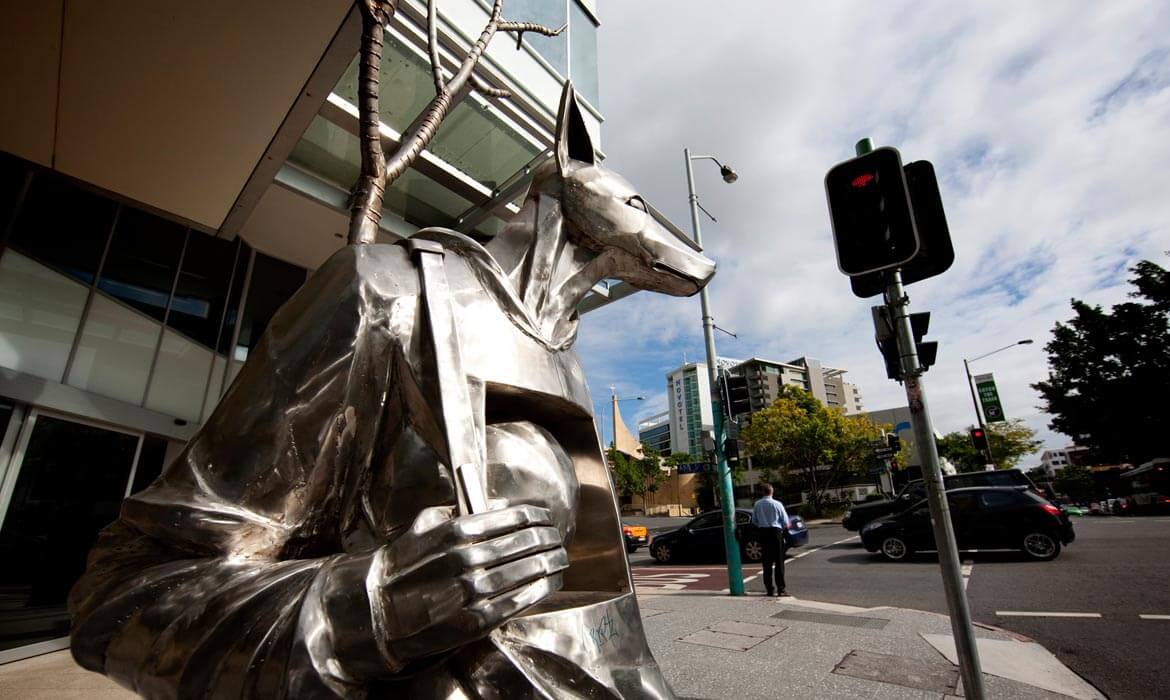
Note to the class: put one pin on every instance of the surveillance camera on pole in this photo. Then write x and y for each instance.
(890, 230)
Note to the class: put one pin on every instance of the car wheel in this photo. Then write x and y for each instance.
(895, 548)
(753, 550)
(661, 553)
(1041, 546)
(631, 548)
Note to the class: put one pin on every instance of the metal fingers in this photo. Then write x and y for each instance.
(503, 578)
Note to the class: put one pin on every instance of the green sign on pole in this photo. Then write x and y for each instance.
(989, 398)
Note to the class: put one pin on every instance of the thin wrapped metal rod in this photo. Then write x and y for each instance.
(366, 204)
(433, 44)
(483, 88)
(436, 111)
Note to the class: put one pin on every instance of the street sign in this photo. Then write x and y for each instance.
(989, 398)
(693, 468)
(884, 453)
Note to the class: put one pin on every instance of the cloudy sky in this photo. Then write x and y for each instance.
(1046, 122)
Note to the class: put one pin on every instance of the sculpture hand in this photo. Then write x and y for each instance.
(449, 580)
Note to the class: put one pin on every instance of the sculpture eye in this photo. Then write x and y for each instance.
(638, 203)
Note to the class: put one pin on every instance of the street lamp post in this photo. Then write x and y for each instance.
(975, 400)
(726, 489)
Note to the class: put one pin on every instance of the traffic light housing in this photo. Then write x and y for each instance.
(734, 392)
(979, 439)
(871, 213)
(936, 254)
(927, 351)
(887, 341)
(894, 442)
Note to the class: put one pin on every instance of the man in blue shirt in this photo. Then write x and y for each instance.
(770, 518)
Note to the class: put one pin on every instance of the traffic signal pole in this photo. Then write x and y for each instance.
(979, 414)
(726, 488)
(944, 535)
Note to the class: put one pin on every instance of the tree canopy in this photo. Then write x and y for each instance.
(637, 477)
(817, 446)
(1009, 441)
(1109, 373)
(1076, 482)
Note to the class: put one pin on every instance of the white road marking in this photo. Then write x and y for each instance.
(817, 549)
(1017, 613)
(1154, 617)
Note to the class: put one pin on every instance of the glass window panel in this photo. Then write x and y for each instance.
(550, 13)
(243, 254)
(215, 389)
(583, 64)
(331, 152)
(151, 461)
(63, 226)
(114, 353)
(273, 283)
(405, 80)
(140, 267)
(180, 376)
(71, 483)
(40, 310)
(13, 171)
(475, 140)
(202, 290)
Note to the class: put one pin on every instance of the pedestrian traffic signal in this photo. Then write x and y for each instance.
(871, 214)
(979, 439)
(935, 251)
(894, 442)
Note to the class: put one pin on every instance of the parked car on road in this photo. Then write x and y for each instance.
(702, 538)
(986, 517)
(915, 491)
(635, 536)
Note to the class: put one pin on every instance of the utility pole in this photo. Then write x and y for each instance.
(944, 534)
(726, 488)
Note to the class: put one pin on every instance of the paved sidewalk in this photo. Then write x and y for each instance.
(716, 646)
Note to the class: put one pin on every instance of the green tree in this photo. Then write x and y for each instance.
(1010, 441)
(1109, 371)
(1076, 482)
(637, 477)
(816, 446)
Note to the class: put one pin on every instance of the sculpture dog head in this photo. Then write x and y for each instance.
(605, 214)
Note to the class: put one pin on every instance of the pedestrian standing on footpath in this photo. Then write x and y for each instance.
(771, 520)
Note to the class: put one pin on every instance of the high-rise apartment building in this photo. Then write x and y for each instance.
(827, 384)
(689, 392)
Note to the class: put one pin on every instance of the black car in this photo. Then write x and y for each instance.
(702, 538)
(915, 491)
(987, 517)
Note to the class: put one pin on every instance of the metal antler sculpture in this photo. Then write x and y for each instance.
(377, 171)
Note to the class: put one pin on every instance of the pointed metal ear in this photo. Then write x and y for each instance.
(572, 139)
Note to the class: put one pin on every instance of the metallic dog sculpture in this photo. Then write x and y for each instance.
(402, 494)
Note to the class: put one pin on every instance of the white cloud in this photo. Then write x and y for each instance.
(1045, 122)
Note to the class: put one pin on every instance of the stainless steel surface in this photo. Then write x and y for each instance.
(306, 542)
